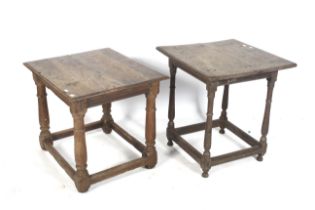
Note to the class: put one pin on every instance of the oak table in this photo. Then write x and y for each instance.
(221, 63)
(89, 79)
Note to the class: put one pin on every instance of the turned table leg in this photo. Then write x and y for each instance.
(223, 117)
(171, 106)
(43, 113)
(265, 125)
(81, 176)
(107, 118)
(206, 157)
(150, 151)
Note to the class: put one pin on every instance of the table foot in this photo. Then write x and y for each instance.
(82, 181)
(45, 138)
(205, 174)
(169, 137)
(170, 143)
(259, 158)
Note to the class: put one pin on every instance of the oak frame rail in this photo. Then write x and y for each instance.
(220, 159)
(104, 174)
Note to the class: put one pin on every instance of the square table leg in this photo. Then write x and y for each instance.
(265, 125)
(43, 113)
(206, 157)
(171, 106)
(150, 151)
(81, 176)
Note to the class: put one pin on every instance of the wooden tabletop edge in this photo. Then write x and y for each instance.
(289, 65)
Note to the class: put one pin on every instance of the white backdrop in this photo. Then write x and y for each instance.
(33, 29)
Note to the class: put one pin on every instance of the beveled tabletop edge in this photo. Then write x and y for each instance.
(290, 64)
(164, 51)
(184, 66)
(61, 94)
(191, 70)
(67, 99)
(28, 64)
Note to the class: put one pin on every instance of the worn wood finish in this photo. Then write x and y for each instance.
(129, 138)
(235, 155)
(61, 161)
(107, 118)
(171, 106)
(69, 132)
(265, 125)
(241, 134)
(150, 151)
(221, 63)
(206, 157)
(223, 117)
(116, 170)
(212, 161)
(98, 76)
(223, 60)
(85, 74)
(194, 153)
(90, 79)
(81, 176)
(43, 113)
(195, 127)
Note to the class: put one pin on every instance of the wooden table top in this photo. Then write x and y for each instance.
(90, 73)
(223, 60)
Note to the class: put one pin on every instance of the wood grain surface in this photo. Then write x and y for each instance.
(91, 73)
(223, 60)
